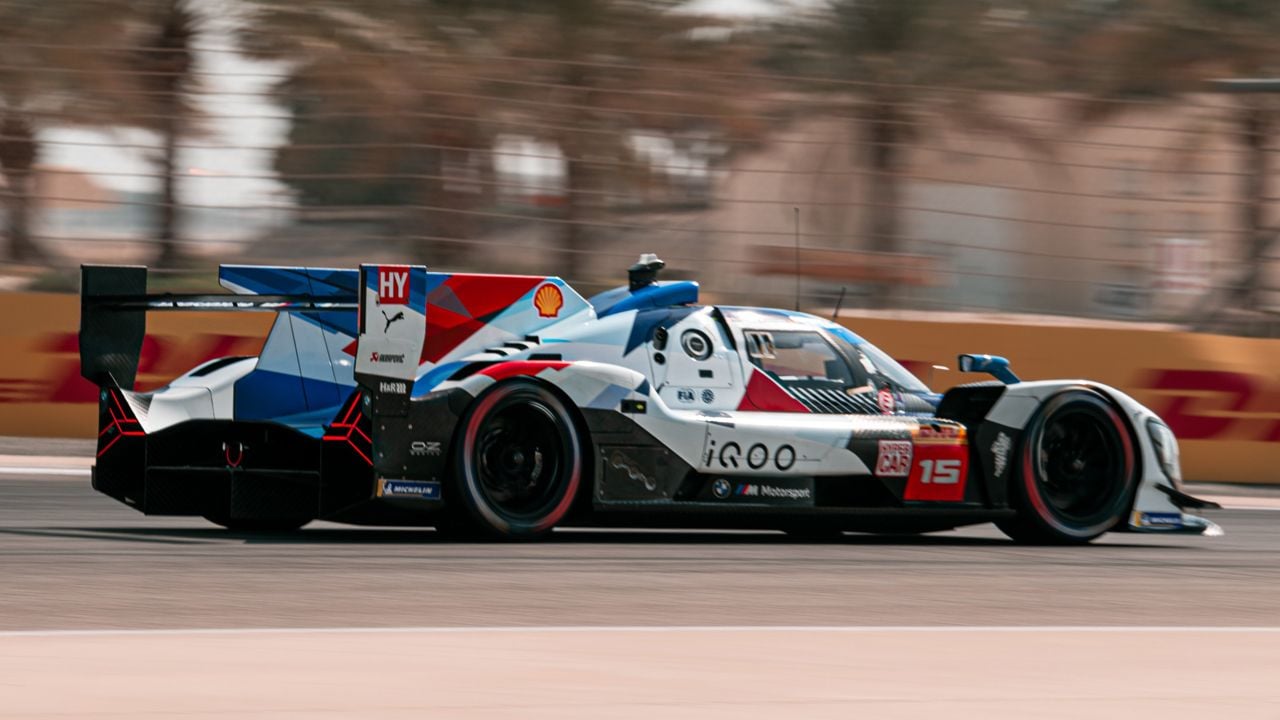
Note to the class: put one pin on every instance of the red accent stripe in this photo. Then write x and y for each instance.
(764, 394)
(114, 440)
(519, 368)
(482, 297)
(119, 424)
(361, 454)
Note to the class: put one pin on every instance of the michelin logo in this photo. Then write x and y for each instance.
(409, 489)
(1170, 520)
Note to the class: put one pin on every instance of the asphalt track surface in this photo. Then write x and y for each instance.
(337, 621)
(71, 558)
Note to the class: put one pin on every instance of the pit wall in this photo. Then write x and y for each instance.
(1221, 395)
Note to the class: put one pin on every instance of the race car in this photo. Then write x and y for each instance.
(507, 406)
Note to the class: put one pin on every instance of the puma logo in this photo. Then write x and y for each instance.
(393, 318)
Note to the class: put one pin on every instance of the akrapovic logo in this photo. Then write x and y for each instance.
(397, 358)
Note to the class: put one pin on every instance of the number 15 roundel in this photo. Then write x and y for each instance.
(938, 473)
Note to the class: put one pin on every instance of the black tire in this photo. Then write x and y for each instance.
(259, 525)
(1075, 472)
(518, 462)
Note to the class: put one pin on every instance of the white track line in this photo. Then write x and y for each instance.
(848, 629)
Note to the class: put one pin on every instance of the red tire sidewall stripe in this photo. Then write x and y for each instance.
(474, 494)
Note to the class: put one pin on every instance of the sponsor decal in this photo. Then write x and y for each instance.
(758, 490)
(548, 300)
(894, 458)
(758, 456)
(393, 285)
(390, 319)
(1000, 452)
(621, 462)
(397, 358)
(943, 433)
(708, 397)
(54, 363)
(721, 488)
(393, 388)
(938, 473)
(685, 395)
(886, 401)
(425, 447)
(425, 490)
(1215, 404)
(1168, 520)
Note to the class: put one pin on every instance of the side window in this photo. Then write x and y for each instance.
(800, 358)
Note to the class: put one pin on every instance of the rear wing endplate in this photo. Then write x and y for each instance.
(392, 331)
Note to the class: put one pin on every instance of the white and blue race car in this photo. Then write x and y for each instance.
(510, 405)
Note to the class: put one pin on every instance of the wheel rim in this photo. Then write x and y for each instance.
(519, 457)
(1081, 465)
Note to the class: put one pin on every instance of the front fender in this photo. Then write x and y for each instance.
(1154, 508)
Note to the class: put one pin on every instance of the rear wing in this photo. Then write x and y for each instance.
(114, 303)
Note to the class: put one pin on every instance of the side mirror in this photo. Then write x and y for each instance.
(993, 365)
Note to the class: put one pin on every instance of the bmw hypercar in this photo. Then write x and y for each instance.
(510, 405)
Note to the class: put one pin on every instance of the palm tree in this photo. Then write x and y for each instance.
(381, 93)
(1162, 51)
(896, 53)
(580, 54)
(162, 67)
(51, 74)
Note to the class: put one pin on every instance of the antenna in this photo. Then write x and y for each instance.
(797, 258)
(839, 301)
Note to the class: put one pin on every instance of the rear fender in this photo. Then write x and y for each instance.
(586, 384)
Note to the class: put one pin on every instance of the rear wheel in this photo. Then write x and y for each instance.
(1075, 472)
(519, 463)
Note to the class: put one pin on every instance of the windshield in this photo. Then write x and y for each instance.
(883, 364)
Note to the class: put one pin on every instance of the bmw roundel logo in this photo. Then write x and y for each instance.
(720, 488)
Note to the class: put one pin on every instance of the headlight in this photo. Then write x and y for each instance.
(1166, 450)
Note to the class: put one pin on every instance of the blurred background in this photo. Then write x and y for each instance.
(1098, 159)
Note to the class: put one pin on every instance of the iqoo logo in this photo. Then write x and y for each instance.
(731, 456)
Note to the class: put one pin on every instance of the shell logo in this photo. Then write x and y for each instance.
(548, 300)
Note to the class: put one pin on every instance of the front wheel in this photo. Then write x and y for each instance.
(1075, 473)
(519, 462)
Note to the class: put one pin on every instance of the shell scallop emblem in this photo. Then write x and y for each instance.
(548, 300)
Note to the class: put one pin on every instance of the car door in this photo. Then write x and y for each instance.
(694, 364)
